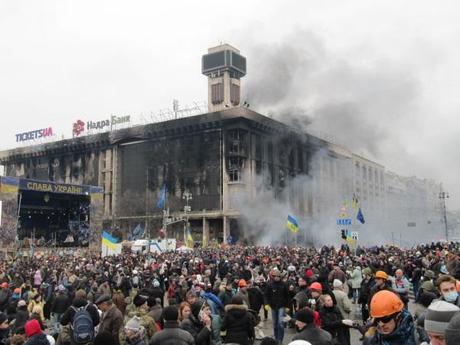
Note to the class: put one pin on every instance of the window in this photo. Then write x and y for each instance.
(235, 94)
(235, 169)
(217, 93)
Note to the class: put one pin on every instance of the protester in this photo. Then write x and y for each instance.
(437, 319)
(34, 334)
(111, 319)
(452, 332)
(355, 279)
(277, 298)
(307, 330)
(198, 324)
(394, 324)
(332, 320)
(172, 334)
(238, 323)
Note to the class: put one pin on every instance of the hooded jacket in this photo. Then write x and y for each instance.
(239, 324)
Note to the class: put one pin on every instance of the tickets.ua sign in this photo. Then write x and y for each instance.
(36, 134)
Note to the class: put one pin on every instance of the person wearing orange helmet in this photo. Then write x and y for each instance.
(393, 323)
(381, 283)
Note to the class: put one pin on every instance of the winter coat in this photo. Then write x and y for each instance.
(112, 322)
(172, 334)
(67, 317)
(256, 298)
(343, 303)
(199, 332)
(239, 324)
(40, 305)
(22, 315)
(314, 335)
(60, 303)
(402, 287)
(337, 274)
(331, 321)
(37, 278)
(146, 321)
(226, 297)
(403, 335)
(356, 277)
(38, 339)
(277, 295)
(155, 312)
(4, 336)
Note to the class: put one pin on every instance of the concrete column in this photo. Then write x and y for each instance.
(205, 232)
(226, 228)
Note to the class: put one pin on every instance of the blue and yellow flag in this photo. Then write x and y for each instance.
(162, 197)
(188, 238)
(360, 216)
(109, 241)
(292, 224)
(9, 185)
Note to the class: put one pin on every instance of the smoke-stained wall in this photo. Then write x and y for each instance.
(190, 163)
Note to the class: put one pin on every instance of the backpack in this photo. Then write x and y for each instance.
(82, 326)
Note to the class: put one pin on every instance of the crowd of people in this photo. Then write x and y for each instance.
(224, 295)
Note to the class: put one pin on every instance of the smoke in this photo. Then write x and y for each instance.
(301, 82)
(264, 215)
(368, 106)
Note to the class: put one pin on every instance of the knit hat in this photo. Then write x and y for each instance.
(134, 324)
(304, 315)
(438, 316)
(3, 318)
(337, 283)
(32, 327)
(170, 313)
(452, 332)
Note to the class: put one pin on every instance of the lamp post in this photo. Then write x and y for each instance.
(443, 196)
(187, 196)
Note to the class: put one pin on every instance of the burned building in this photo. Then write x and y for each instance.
(213, 157)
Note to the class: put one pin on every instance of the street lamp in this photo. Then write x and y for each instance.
(443, 196)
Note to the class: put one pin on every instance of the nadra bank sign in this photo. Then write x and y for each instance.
(79, 125)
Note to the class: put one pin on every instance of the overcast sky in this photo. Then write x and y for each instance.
(392, 68)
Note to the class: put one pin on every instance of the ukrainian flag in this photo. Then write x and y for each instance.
(292, 224)
(9, 185)
(189, 238)
(109, 241)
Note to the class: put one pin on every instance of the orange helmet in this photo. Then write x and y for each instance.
(458, 285)
(242, 283)
(17, 291)
(385, 303)
(381, 275)
(316, 286)
(4, 285)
